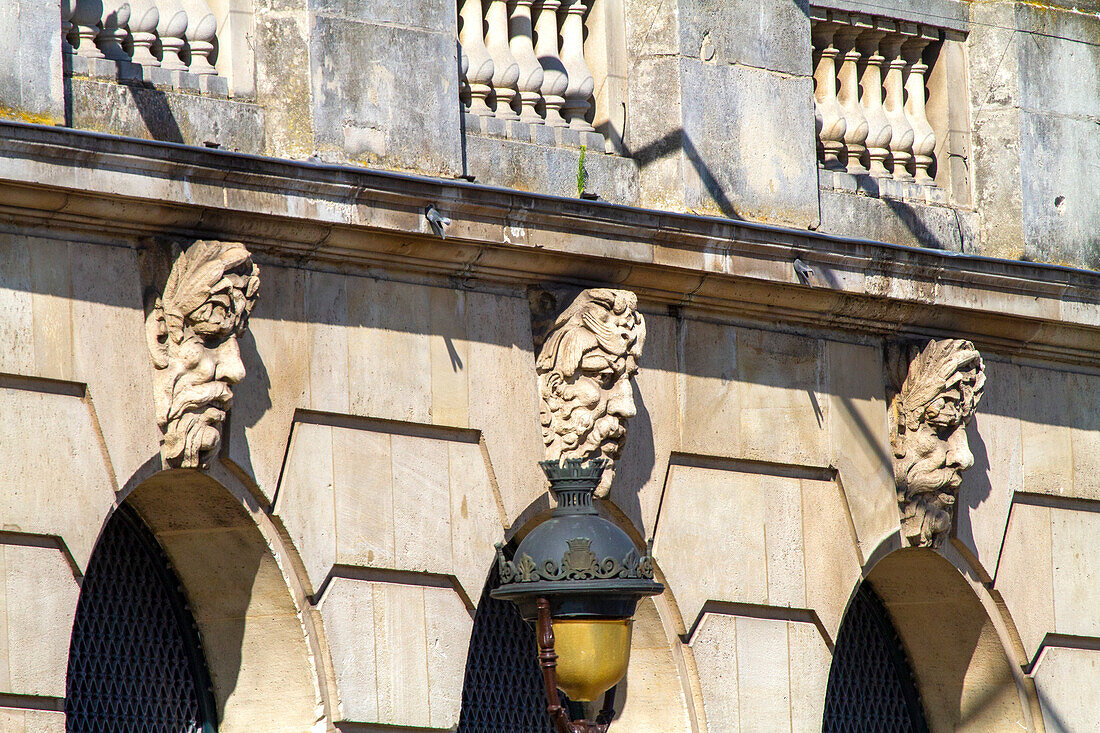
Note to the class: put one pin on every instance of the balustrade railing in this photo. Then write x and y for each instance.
(870, 94)
(169, 35)
(523, 61)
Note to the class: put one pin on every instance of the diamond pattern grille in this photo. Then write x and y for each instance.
(503, 690)
(871, 687)
(135, 665)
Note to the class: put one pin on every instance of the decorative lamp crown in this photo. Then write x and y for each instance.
(574, 482)
(580, 562)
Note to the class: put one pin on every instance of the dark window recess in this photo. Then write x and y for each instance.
(871, 685)
(135, 663)
(503, 690)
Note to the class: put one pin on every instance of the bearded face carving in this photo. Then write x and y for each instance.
(584, 368)
(192, 331)
(929, 413)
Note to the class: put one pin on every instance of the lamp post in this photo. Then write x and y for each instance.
(578, 578)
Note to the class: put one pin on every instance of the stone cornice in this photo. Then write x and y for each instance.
(327, 215)
(950, 14)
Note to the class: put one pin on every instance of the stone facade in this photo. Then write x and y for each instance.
(791, 358)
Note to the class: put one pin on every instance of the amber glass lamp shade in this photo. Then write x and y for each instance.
(593, 654)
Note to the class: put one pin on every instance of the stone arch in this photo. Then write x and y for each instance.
(656, 694)
(134, 647)
(961, 644)
(242, 580)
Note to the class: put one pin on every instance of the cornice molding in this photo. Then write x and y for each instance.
(327, 215)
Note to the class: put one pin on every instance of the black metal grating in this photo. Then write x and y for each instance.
(503, 691)
(871, 686)
(135, 664)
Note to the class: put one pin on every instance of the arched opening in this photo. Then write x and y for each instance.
(957, 658)
(503, 688)
(135, 660)
(258, 633)
(871, 684)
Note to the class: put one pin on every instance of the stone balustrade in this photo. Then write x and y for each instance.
(165, 42)
(870, 79)
(524, 72)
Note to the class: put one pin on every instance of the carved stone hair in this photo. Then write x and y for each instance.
(938, 367)
(200, 272)
(603, 319)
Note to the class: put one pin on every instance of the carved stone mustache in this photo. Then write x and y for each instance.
(923, 480)
(197, 396)
(608, 427)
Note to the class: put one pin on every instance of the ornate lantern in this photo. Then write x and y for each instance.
(579, 578)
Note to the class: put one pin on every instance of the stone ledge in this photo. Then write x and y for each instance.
(908, 191)
(102, 187)
(125, 72)
(527, 166)
(143, 111)
(916, 222)
(525, 132)
(951, 14)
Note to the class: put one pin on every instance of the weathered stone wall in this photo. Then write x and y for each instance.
(705, 107)
(386, 436)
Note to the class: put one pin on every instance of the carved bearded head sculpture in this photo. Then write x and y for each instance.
(192, 331)
(584, 369)
(929, 415)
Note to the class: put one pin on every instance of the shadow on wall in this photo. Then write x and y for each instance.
(158, 117)
(151, 104)
(976, 487)
(909, 218)
(672, 143)
(964, 673)
(639, 459)
(247, 619)
(248, 412)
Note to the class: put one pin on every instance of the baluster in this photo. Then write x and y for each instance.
(554, 78)
(144, 17)
(480, 71)
(506, 70)
(172, 30)
(878, 126)
(116, 14)
(68, 7)
(581, 82)
(202, 27)
(86, 18)
(924, 137)
(855, 123)
(523, 49)
(901, 132)
(831, 116)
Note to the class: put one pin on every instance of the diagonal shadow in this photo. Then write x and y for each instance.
(673, 142)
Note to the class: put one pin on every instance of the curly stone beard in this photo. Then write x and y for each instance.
(927, 486)
(576, 424)
(192, 427)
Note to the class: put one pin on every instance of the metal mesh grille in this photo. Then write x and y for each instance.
(871, 686)
(135, 665)
(503, 691)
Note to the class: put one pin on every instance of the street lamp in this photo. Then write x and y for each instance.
(579, 578)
